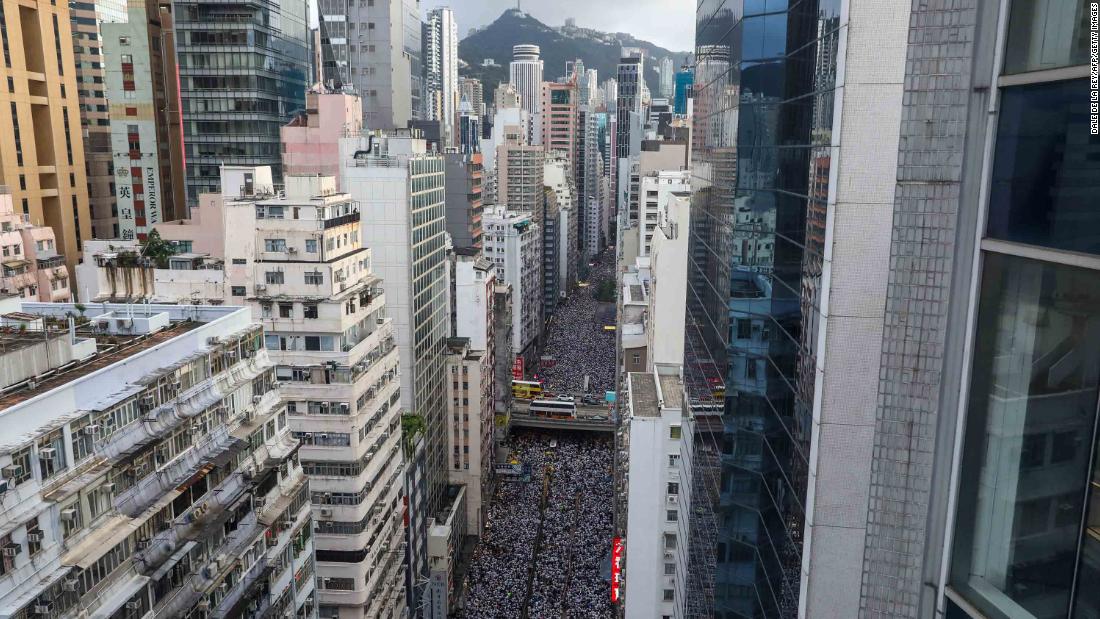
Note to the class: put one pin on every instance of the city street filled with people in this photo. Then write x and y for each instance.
(547, 541)
(576, 339)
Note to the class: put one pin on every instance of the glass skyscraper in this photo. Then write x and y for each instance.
(760, 181)
(244, 68)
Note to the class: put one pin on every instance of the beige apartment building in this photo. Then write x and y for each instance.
(41, 144)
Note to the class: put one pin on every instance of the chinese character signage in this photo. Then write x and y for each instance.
(616, 568)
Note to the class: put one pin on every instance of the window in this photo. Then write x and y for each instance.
(673, 487)
(273, 277)
(7, 564)
(309, 310)
(1045, 182)
(278, 245)
(286, 310)
(1046, 34)
(72, 520)
(315, 278)
(34, 537)
(1036, 374)
(240, 261)
(237, 291)
(673, 460)
(671, 515)
(51, 454)
(311, 246)
(668, 595)
(670, 540)
(670, 569)
(674, 432)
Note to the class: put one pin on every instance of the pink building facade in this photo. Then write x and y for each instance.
(311, 142)
(30, 266)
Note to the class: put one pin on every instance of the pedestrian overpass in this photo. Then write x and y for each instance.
(580, 424)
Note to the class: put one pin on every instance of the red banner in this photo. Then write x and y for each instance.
(616, 570)
(517, 368)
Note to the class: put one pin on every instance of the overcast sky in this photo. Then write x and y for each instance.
(668, 23)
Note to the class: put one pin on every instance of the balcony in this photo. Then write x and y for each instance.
(340, 220)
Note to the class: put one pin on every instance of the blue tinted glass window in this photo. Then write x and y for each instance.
(1046, 34)
(1046, 169)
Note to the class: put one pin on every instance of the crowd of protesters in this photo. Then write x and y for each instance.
(576, 339)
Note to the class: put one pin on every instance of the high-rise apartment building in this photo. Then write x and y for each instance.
(464, 198)
(513, 243)
(472, 90)
(86, 17)
(470, 416)
(401, 191)
(440, 58)
(41, 142)
(525, 75)
(156, 474)
(146, 136)
(232, 114)
(376, 48)
(519, 175)
(32, 268)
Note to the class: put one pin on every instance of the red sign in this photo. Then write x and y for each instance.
(517, 368)
(616, 570)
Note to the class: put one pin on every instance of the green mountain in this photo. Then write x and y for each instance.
(598, 50)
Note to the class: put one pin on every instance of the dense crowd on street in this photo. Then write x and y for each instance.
(567, 541)
(577, 340)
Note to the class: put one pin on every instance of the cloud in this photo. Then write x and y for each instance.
(668, 23)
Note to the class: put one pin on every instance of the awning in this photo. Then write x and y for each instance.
(172, 561)
(110, 605)
(111, 533)
(78, 482)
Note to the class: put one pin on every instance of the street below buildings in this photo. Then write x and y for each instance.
(577, 343)
(546, 545)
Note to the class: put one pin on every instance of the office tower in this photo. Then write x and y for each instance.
(230, 116)
(157, 477)
(513, 242)
(586, 174)
(447, 531)
(525, 75)
(628, 111)
(401, 191)
(471, 389)
(474, 92)
(549, 219)
(666, 72)
(685, 79)
(375, 47)
(41, 144)
(511, 124)
(468, 137)
(311, 140)
(559, 116)
(85, 19)
(609, 94)
(146, 136)
(519, 176)
(33, 269)
(464, 199)
(440, 58)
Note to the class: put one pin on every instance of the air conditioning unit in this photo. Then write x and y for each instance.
(91, 429)
(107, 487)
(291, 250)
(143, 543)
(177, 385)
(259, 287)
(69, 584)
(256, 399)
(203, 605)
(133, 604)
(345, 408)
(326, 512)
(11, 471)
(669, 555)
(258, 503)
(34, 537)
(46, 453)
(673, 499)
(10, 550)
(3, 486)
(43, 608)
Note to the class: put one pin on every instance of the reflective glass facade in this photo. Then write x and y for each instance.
(764, 78)
(244, 68)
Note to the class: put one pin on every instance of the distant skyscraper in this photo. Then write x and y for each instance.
(629, 86)
(473, 91)
(376, 48)
(666, 71)
(685, 80)
(525, 74)
(440, 58)
(233, 116)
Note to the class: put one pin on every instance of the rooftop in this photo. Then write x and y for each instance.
(643, 395)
